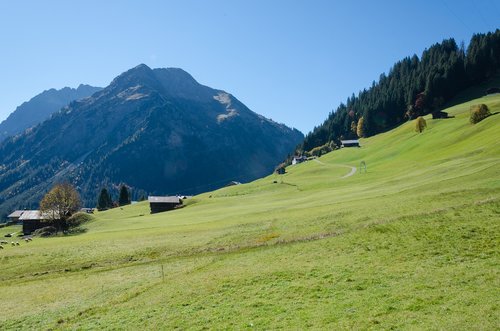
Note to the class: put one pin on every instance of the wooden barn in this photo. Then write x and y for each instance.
(349, 143)
(161, 204)
(14, 216)
(33, 220)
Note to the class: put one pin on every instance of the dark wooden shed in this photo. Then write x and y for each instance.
(33, 220)
(161, 204)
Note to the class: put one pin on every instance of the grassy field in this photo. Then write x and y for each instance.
(411, 244)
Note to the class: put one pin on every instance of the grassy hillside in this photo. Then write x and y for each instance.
(411, 244)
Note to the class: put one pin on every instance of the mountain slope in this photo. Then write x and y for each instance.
(411, 244)
(159, 131)
(40, 107)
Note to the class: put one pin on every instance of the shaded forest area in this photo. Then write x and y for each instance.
(413, 87)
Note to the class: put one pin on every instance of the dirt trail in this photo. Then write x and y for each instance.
(352, 172)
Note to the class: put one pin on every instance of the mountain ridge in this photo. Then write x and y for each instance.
(41, 107)
(185, 136)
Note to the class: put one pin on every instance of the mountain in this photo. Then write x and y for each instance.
(158, 131)
(40, 107)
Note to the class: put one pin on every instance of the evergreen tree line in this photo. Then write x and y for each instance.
(413, 87)
(105, 201)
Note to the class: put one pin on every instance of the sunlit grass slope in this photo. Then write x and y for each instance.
(411, 244)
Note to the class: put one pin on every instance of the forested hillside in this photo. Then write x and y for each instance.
(414, 86)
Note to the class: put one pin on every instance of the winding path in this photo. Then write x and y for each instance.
(352, 172)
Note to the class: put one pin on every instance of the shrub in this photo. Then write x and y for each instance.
(280, 169)
(45, 231)
(360, 129)
(420, 124)
(78, 219)
(478, 113)
(321, 150)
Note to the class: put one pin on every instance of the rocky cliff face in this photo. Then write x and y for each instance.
(157, 130)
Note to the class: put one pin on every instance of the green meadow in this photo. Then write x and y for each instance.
(413, 243)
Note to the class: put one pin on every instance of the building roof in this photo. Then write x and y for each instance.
(171, 199)
(16, 213)
(35, 215)
(31, 215)
(350, 141)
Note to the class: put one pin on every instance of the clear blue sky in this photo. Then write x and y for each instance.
(292, 61)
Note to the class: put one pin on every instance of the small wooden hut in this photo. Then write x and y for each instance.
(161, 204)
(33, 220)
(349, 143)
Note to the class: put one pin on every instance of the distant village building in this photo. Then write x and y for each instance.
(298, 159)
(33, 220)
(161, 204)
(14, 216)
(87, 210)
(232, 183)
(349, 143)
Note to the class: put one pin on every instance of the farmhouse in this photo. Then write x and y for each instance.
(161, 204)
(298, 159)
(349, 143)
(33, 220)
(14, 216)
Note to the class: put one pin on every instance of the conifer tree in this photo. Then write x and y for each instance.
(104, 201)
(124, 198)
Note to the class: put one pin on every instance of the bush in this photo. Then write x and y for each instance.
(478, 113)
(420, 124)
(45, 231)
(321, 150)
(78, 219)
